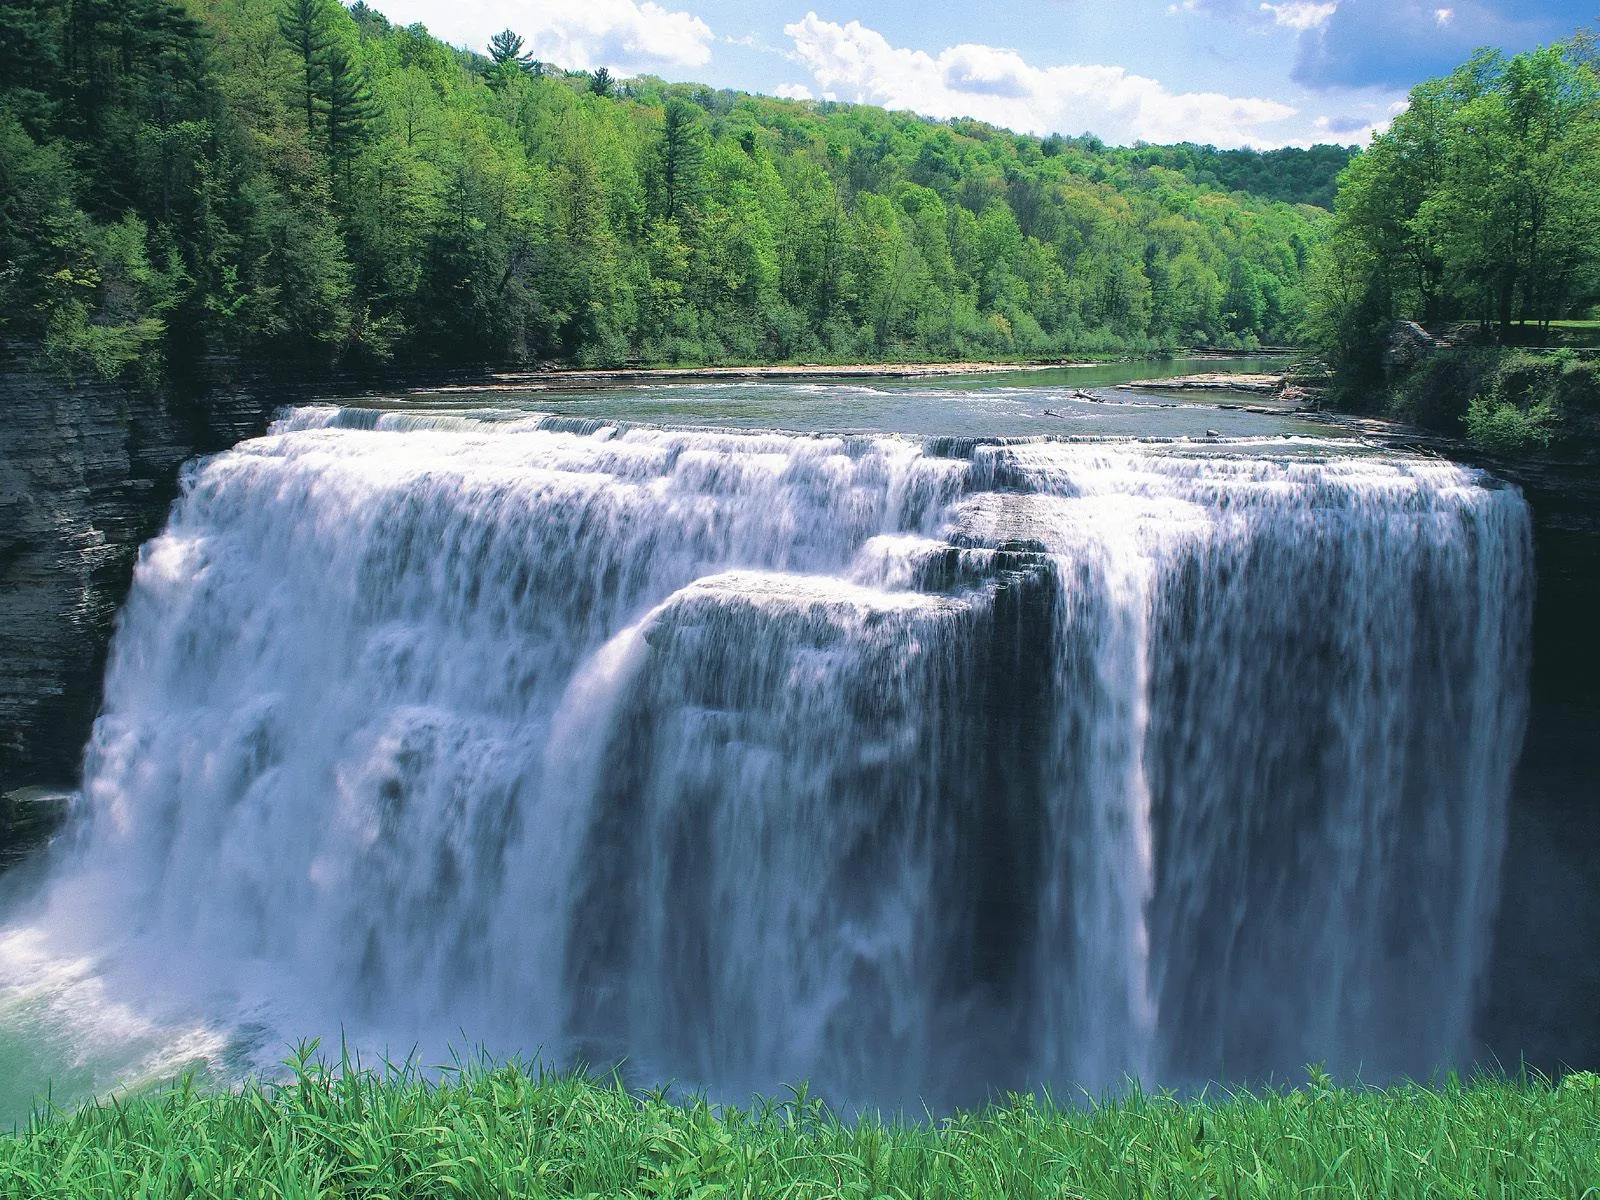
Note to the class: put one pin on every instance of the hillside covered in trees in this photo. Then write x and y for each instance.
(297, 182)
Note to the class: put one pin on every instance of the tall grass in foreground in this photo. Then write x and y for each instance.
(339, 1131)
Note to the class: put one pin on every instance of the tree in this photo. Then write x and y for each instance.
(1482, 201)
(306, 180)
(307, 25)
(351, 109)
(509, 59)
(680, 159)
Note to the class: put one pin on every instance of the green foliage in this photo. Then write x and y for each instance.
(320, 186)
(487, 1130)
(1505, 399)
(1499, 425)
(1480, 204)
(1291, 175)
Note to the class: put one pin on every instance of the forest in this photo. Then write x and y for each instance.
(1477, 216)
(306, 185)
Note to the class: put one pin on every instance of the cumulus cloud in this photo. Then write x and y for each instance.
(1300, 15)
(1000, 86)
(625, 35)
(793, 91)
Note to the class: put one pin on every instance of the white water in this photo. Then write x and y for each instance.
(759, 758)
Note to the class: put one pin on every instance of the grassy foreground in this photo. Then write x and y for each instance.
(508, 1131)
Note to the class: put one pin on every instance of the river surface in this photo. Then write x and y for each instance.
(902, 750)
(1066, 402)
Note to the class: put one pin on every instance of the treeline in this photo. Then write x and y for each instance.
(1291, 175)
(1480, 205)
(298, 182)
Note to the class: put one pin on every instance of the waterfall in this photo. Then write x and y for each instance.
(912, 769)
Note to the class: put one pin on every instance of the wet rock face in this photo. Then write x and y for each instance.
(87, 472)
(29, 818)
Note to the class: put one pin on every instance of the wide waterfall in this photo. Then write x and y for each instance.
(911, 768)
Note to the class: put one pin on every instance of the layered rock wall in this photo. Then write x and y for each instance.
(87, 473)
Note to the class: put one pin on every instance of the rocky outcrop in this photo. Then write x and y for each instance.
(1259, 385)
(28, 818)
(87, 473)
(1408, 344)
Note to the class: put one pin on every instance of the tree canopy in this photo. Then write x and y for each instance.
(1481, 204)
(305, 182)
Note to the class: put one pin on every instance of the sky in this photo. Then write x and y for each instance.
(1224, 72)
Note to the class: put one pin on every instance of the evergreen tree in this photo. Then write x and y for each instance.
(350, 109)
(508, 59)
(680, 158)
(307, 26)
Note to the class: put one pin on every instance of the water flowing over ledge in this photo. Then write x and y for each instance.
(912, 768)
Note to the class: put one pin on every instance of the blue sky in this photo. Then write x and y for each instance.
(1228, 72)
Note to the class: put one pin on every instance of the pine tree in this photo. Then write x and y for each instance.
(506, 47)
(509, 58)
(30, 61)
(351, 108)
(307, 26)
(680, 157)
(600, 83)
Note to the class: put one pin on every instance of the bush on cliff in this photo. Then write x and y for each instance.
(1503, 399)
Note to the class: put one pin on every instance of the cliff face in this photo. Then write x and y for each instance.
(87, 473)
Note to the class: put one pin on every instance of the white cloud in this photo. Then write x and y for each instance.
(1001, 87)
(1443, 16)
(626, 35)
(793, 91)
(1298, 14)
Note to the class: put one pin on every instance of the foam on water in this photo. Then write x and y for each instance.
(912, 769)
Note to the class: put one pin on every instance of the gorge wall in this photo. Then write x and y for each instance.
(87, 473)
(1540, 1007)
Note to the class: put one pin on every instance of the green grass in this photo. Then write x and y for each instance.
(501, 1131)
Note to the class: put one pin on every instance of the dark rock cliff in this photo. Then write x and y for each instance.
(87, 474)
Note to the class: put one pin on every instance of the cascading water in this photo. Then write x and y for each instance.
(911, 769)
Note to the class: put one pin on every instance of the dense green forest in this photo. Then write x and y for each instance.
(1291, 175)
(302, 183)
(1480, 204)
(1477, 215)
